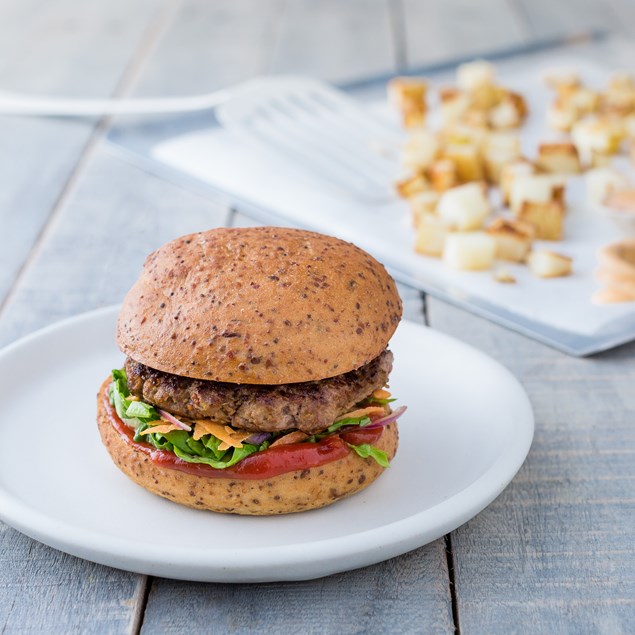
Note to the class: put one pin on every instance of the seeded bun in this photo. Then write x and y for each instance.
(258, 305)
(284, 494)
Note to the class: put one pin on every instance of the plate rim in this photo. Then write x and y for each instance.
(356, 549)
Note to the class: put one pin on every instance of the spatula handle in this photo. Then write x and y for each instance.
(27, 105)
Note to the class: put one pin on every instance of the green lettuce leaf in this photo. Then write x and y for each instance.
(230, 457)
(370, 451)
(132, 412)
(118, 393)
(142, 411)
(204, 450)
(356, 421)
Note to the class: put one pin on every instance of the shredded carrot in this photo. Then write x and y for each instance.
(229, 437)
(166, 427)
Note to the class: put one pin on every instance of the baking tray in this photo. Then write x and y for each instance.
(137, 140)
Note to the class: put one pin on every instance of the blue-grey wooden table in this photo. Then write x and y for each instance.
(555, 553)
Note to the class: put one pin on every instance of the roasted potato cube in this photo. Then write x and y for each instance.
(546, 217)
(408, 94)
(486, 97)
(562, 115)
(474, 75)
(510, 172)
(500, 148)
(469, 251)
(420, 149)
(422, 203)
(601, 182)
(628, 124)
(513, 239)
(547, 264)
(621, 80)
(519, 101)
(509, 113)
(558, 158)
(413, 118)
(476, 117)
(464, 133)
(563, 81)
(504, 115)
(467, 161)
(464, 207)
(411, 185)
(600, 159)
(601, 135)
(442, 175)
(584, 100)
(431, 235)
(504, 140)
(618, 102)
(535, 188)
(453, 105)
(494, 161)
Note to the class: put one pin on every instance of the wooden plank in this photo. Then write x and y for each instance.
(438, 29)
(555, 550)
(392, 597)
(621, 15)
(117, 216)
(335, 40)
(54, 47)
(546, 18)
(211, 45)
(46, 591)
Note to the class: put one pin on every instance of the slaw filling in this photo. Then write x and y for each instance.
(220, 446)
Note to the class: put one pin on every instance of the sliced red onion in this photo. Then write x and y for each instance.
(172, 419)
(258, 437)
(387, 420)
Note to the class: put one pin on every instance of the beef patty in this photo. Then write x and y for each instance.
(308, 406)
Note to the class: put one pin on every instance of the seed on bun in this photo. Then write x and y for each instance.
(255, 374)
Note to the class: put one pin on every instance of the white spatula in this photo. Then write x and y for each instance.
(310, 123)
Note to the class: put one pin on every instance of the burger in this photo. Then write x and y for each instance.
(256, 371)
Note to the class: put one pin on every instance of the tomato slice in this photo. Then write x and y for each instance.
(361, 436)
(260, 465)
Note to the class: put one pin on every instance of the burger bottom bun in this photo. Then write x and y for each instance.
(296, 491)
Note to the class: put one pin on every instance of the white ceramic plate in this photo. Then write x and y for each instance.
(466, 433)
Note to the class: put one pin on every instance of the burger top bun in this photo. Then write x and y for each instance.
(258, 305)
